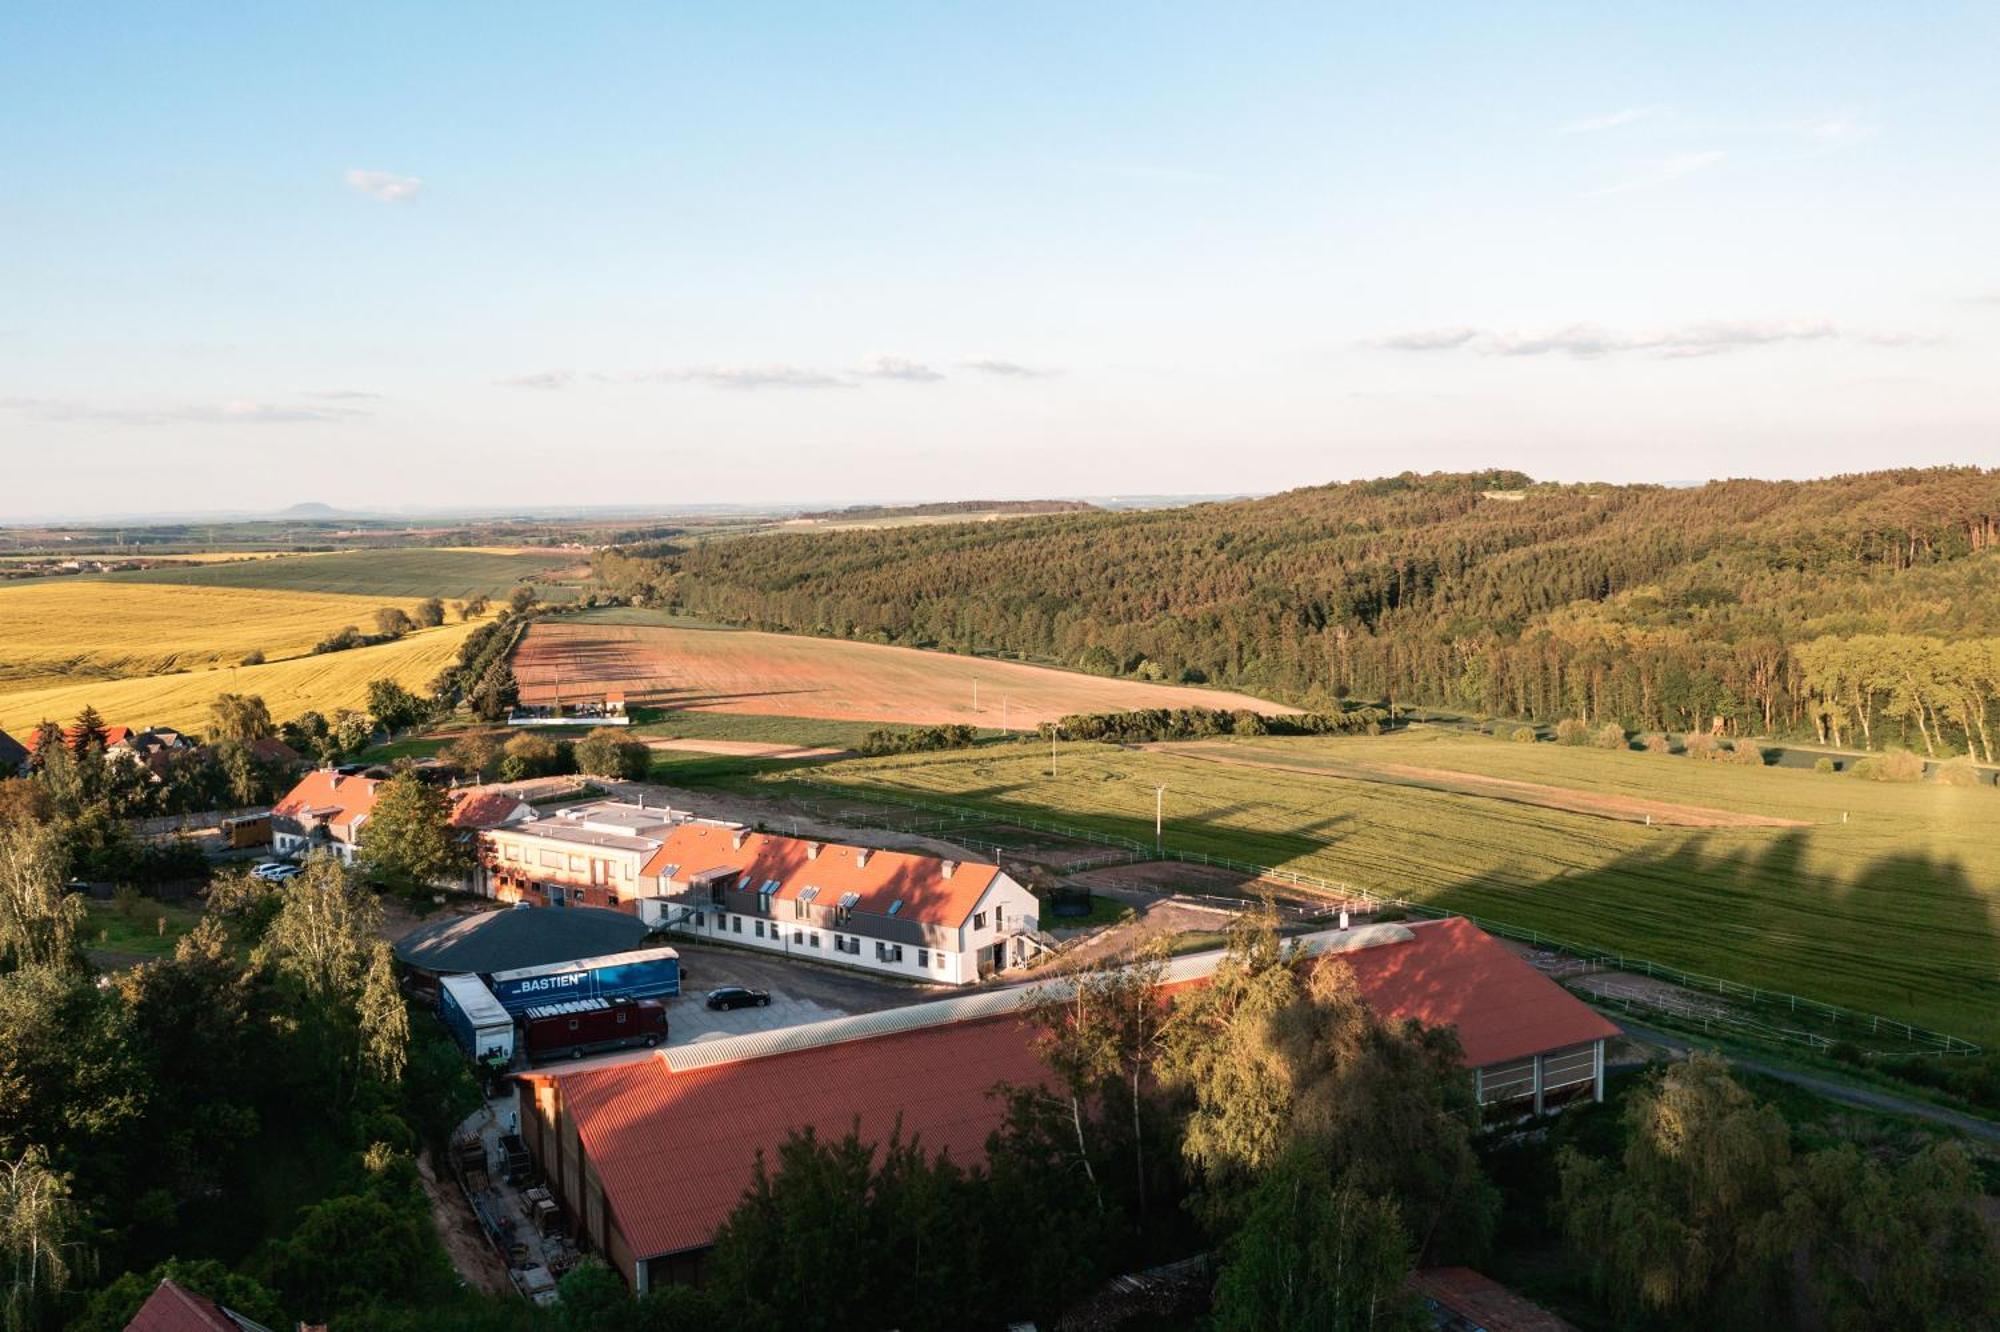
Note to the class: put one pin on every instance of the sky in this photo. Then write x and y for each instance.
(396, 256)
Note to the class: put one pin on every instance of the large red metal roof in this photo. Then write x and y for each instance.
(1450, 973)
(172, 1307)
(675, 1151)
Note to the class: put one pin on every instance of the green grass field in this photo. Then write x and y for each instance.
(118, 928)
(416, 572)
(1896, 910)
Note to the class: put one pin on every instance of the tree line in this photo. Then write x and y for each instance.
(1659, 608)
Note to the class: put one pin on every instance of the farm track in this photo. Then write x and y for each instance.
(1626, 809)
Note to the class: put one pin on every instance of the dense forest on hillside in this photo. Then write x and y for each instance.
(1860, 609)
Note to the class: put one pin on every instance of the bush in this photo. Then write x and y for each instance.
(610, 752)
(1957, 772)
(526, 756)
(1700, 744)
(1898, 765)
(924, 739)
(1523, 735)
(1747, 754)
(1659, 744)
(1572, 731)
(391, 622)
(254, 657)
(1612, 736)
(350, 637)
(1825, 765)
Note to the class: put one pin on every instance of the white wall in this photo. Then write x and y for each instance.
(959, 968)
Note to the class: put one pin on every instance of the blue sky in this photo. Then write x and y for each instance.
(407, 255)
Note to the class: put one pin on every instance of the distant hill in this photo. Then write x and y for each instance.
(313, 510)
(1856, 608)
(948, 508)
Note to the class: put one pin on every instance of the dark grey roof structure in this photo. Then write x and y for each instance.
(518, 937)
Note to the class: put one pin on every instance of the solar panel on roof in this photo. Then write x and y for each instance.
(895, 906)
(770, 886)
(809, 892)
(849, 899)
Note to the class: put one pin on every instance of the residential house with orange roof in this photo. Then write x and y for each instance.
(325, 811)
(172, 1307)
(924, 917)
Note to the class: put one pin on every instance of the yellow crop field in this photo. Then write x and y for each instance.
(323, 683)
(70, 628)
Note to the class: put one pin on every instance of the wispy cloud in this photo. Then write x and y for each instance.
(1664, 172)
(384, 185)
(232, 412)
(1593, 341)
(341, 395)
(1830, 132)
(897, 367)
(750, 377)
(1631, 115)
(546, 379)
(1426, 339)
(994, 365)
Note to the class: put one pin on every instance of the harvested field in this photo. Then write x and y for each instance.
(722, 670)
(323, 683)
(1600, 804)
(413, 572)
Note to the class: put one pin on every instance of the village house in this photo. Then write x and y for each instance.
(924, 917)
(585, 855)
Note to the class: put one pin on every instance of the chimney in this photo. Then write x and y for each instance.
(736, 839)
(813, 849)
(861, 857)
(949, 866)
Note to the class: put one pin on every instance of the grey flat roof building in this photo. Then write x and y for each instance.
(518, 937)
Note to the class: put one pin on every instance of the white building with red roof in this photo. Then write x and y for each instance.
(949, 922)
(325, 811)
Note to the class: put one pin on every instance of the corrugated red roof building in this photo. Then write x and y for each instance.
(650, 1155)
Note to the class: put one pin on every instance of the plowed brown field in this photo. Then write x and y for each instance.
(729, 670)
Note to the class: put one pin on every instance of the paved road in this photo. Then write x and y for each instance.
(1847, 1093)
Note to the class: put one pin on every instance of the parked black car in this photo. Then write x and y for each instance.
(736, 996)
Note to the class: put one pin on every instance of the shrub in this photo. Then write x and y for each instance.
(391, 622)
(1957, 772)
(350, 637)
(1747, 754)
(1825, 765)
(1524, 735)
(1898, 765)
(610, 752)
(921, 740)
(1572, 731)
(1700, 744)
(1611, 736)
(1659, 744)
(254, 657)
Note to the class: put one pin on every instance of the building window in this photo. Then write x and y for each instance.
(798, 936)
(923, 957)
(979, 920)
(881, 951)
(737, 924)
(760, 929)
(815, 938)
(940, 960)
(895, 952)
(697, 920)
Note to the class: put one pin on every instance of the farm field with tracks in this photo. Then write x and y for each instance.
(706, 669)
(1878, 897)
(413, 572)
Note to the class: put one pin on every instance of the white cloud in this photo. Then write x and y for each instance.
(1426, 339)
(1590, 341)
(750, 377)
(342, 395)
(1831, 132)
(231, 412)
(384, 185)
(1664, 172)
(1631, 115)
(546, 379)
(993, 365)
(897, 367)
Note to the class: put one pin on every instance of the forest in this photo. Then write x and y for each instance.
(1858, 610)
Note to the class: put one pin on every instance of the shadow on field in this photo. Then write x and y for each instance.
(1904, 934)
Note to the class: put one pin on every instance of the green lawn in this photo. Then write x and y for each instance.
(414, 572)
(1896, 910)
(803, 731)
(114, 928)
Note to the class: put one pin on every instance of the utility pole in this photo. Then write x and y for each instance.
(975, 693)
(1052, 749)
(1004, 727)
(1159, 825)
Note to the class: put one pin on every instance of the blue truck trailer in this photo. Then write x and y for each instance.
(647, 973)
(482, 1028)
